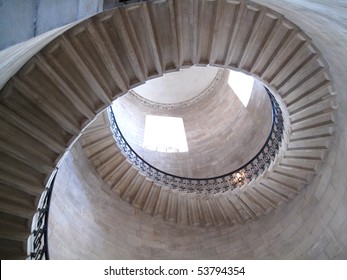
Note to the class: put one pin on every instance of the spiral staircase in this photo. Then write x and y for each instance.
(67, 85)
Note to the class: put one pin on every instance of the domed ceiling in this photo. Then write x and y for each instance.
(177, 87)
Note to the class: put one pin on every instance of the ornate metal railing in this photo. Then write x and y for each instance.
(232, 180)
(38, 240)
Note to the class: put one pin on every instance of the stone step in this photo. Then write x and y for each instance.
(105, 53)
(205, 211)
(280, 36)
(312, 133)
(252, 208)
(96, 135)
(12, 195)
(294, 172)
(267, 194)
(321, 144)
(12, 249)
(258, 201)
(193, 212)
(107, 166)
(305, 154)
(172, 208)
(326, 105)
(303, 81)
(105, 154)
(43, 129)
(15, 223)
(64, 88)
(124, 181)
(17, 172)
(256, 33)
(314, 122)
(288, 46)
(32, 158)
(162, 203)
(311, 97)
(130, 193)
(239, 209)
(285, 181)
(142, 194)
(129, 51)
(151, 200)
(75, 55)
(22, 184)
(29, 83)
(300, 164)
(19, 210)
(13, 234)
(298, 56)
(238, 218)
(116, 172)
(97, 145)
(182, 206)
(164, 44)
(220, 217)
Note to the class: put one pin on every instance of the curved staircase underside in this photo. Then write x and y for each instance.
(61, 89)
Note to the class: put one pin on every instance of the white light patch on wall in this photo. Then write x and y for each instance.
(242, 85)
(165, 134)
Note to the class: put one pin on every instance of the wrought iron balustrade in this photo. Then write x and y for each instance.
(232, 180)
(38, 240)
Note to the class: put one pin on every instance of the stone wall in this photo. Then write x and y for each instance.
(312, 226)
(218, 130)
(21, 20)
(326, 197)
(88, 221)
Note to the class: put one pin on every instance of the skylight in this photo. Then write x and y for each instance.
(165, 134)
(242, 85)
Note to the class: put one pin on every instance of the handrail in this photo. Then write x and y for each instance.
(38, 240)
(225, 182)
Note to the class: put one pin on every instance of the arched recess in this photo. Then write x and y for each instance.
(63, 87)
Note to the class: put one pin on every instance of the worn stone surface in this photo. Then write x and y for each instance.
(66, 93)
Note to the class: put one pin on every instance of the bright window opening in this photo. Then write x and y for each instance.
(242, 85)
(165, 134)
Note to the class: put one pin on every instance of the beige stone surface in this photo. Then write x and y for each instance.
(88, 221)
(176, 87)
(222, 135)
(59, 91)
(307, 229)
